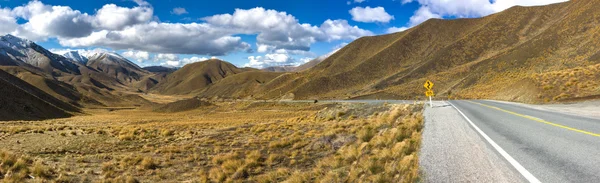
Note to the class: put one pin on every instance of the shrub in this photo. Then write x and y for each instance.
(148, 163)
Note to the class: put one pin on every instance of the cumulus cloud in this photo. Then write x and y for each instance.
(274, 59)
(162, 57)
(179, 11)
(173, 38)
(8, 22)
(139, 56)
(340, 29)
(113, 17)
(368, 14)
(396, 29)
(184, 61)
(279, 30)
(137, 28)
(44, 21)
(465, 8)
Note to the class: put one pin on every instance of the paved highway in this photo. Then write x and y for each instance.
(538, 145)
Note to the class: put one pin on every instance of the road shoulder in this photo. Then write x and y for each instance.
(452, 151)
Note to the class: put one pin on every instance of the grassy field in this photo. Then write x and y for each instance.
(225, 142)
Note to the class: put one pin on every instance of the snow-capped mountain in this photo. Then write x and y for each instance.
(74, 55)
(112, 58)
(18, 51)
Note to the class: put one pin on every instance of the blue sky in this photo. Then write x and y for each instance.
(246, 33)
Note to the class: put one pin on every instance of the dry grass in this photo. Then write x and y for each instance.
(260, 142)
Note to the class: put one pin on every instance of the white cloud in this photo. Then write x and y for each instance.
(45, 21)
(274, 59)
(465, 8)
(179, 11)
(355, 1)
(163, 57)
(175, 38)
(179, 62)
(396, 29)
(340, 46)
(113, 17)
(279, 30)
(172, 63)
(340, 29)
(8, 22)
(139, 56)
(82, 52)
(368, 14)
(137, 28)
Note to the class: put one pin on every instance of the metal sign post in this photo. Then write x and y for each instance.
(429, 86)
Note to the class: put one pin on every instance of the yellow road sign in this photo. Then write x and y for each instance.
(429, 93)
(428, 84)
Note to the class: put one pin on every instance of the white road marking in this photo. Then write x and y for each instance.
(504, 154)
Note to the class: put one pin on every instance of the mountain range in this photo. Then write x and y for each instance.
(528, 54)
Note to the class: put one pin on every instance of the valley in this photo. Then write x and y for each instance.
(356, 113)
(226, 141)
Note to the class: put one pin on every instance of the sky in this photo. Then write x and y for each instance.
(246, 33)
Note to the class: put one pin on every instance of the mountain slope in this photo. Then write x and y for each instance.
(75, 56)
(107, 80)
(195, 77)
(117, 67)
(473, 58)
(17, 51)
(21, 101)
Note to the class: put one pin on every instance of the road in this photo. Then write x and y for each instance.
(493, 141)
(536, 145)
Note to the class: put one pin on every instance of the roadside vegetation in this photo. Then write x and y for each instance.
(225, 142)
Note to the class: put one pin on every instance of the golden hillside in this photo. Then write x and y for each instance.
(195, 77)
(490, 57)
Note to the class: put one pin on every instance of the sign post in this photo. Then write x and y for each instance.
(429, 86)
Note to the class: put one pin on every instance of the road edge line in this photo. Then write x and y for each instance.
(504, 154)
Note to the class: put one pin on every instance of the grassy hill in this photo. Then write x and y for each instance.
(193, 78)
(498, 57)
(22, 101)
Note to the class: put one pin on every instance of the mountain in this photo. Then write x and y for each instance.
(508, 55)
(106, 79)
(195, 77)
(18, 52)
(305, 66)
(242, 85)
(22, 101)
(117, 67)
(311, 63)
(160, 69)
(75, 56)
(288, 68)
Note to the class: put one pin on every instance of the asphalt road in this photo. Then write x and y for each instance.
(551, 146)
(452, 151)
(490, 141)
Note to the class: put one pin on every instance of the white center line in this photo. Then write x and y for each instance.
(504, 154)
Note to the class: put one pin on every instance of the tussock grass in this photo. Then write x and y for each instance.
(235, 142)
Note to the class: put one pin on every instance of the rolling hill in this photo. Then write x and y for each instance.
(195, 77)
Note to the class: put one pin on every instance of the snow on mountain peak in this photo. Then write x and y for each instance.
(74, 55)
(9, 40)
